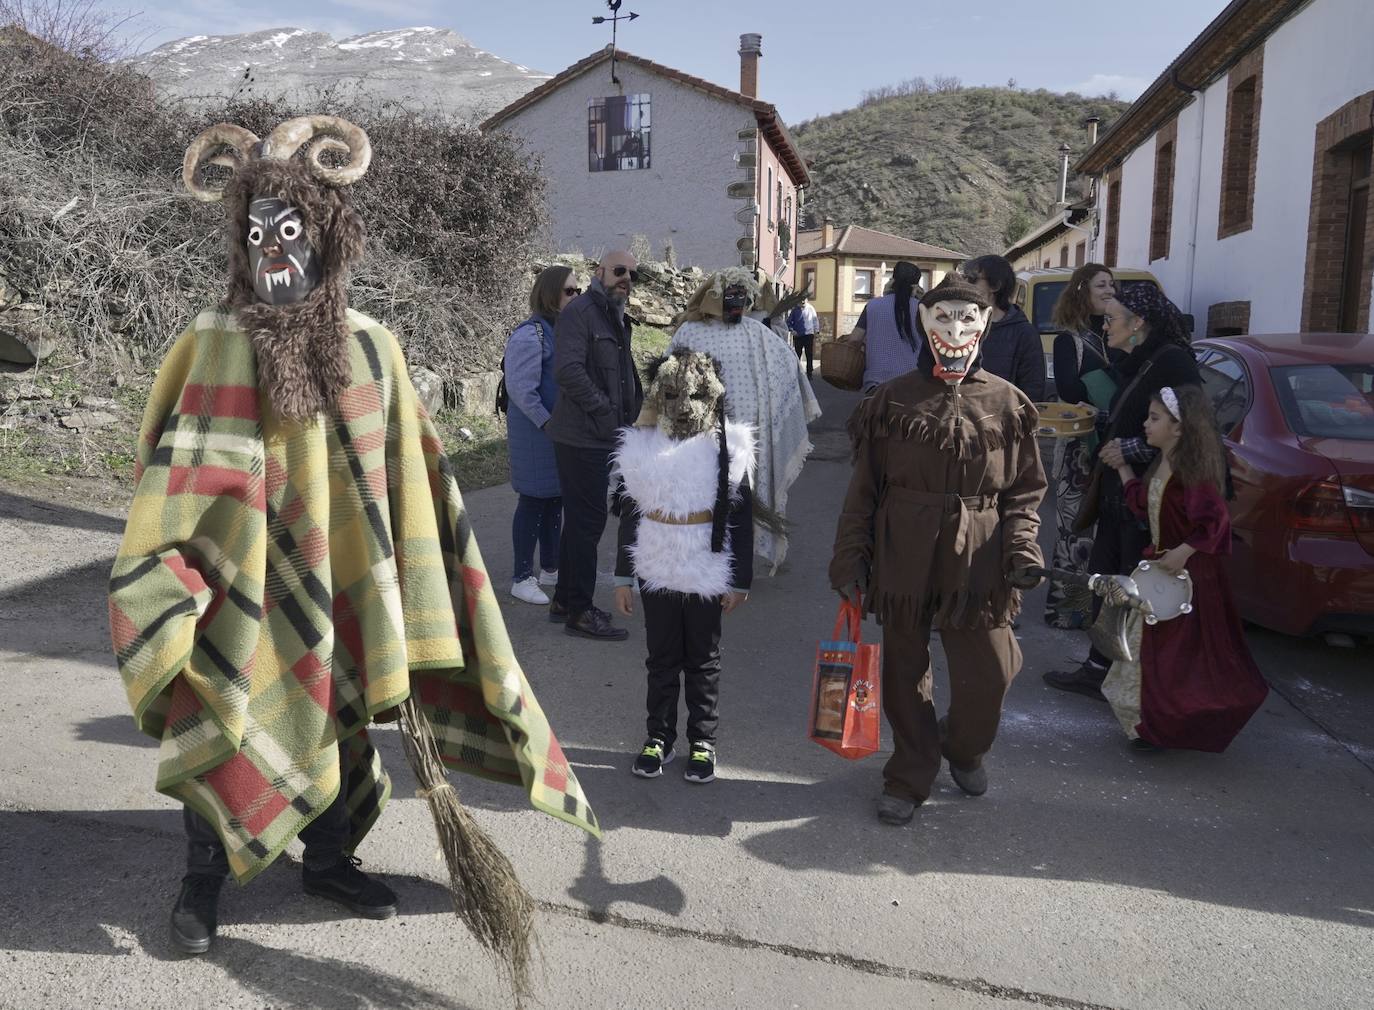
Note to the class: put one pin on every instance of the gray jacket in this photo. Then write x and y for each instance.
(598, 387)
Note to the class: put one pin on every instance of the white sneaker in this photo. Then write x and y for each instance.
(527, 590)
(548, 578)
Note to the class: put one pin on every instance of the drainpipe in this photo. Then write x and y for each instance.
(1197, 188)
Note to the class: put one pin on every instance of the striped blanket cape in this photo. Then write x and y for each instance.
(280, 584)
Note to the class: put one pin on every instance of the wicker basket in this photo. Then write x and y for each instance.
(842, 364)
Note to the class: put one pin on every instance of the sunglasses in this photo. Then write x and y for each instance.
(622, 271)
(572, 292)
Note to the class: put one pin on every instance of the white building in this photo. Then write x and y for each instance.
(1241, 176)
(687, 164)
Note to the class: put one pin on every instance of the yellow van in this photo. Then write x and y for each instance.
(1037, 291)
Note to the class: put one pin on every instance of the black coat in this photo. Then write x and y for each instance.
(1012, 350)
(598, 386)
(1159, 363)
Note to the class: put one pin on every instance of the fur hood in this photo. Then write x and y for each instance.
(302, 350)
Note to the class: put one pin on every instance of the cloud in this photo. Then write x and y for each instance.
(1124, 85)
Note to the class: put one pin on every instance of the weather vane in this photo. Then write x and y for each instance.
(615, 19)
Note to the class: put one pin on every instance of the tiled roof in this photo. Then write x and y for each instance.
(854, 240)
(765, 113)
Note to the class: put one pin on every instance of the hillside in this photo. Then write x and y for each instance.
(971, 169)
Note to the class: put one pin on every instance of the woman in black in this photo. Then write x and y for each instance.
(1148, 327)
(1083, 374)
(1011, 347)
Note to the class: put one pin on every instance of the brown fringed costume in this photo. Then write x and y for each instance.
(941, 509)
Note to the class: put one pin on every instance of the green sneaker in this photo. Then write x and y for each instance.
(701, 764)
(649, 764)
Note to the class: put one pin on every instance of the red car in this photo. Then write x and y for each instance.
(1297, 415)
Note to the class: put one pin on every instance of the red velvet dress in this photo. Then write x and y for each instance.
(1199, 685)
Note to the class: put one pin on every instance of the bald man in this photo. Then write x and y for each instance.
(598, 393)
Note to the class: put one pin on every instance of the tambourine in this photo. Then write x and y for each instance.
(1168, 595)
(1066, 420)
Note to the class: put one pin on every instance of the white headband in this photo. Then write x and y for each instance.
(1170, 400)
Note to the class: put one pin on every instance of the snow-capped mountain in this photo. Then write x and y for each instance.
(430, 66)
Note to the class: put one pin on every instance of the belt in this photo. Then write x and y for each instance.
(951, 504)
(691, 519)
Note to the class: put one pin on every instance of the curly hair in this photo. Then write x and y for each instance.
(1075, 307)
(1198, 457)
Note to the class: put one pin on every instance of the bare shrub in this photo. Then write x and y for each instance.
(81, 28)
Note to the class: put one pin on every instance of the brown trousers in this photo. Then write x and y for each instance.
(982, 663)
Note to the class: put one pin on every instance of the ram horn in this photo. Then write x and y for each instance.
(209, 149)
(323, 133)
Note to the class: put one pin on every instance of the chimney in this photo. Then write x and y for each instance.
(1092, 124)
(827, 233)
(1064, 175)
(750, 49)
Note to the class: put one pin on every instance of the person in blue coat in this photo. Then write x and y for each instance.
(531, 389)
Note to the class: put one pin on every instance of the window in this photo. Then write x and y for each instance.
(1162, 209)
(1063, 255)
(782, 220)
(1328, 401)
(809, 281)
(618, 133)
(767, 197)
(1080, 253)
(1227, 385)
(1241, 146)
(1354, 276)
(1113, 220)
(863, 285)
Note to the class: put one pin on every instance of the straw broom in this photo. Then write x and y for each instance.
(487, 895)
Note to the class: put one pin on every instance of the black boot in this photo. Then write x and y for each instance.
(351, 887)
(1086, 680)
(594, 623)
(195, 916)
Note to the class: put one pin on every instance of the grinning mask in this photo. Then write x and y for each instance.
(734, 301)
(685, 391)
(954, 317)
(284, 265)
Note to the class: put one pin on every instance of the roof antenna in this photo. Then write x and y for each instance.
(615, 19)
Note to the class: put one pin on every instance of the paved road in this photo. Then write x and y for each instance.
(1088, 877)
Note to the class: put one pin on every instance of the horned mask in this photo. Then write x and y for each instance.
(954, 318)
(292, 235)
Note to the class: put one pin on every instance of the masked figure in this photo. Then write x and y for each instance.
(765, 387)
(298, 560)
(686, 533)
(937, 532)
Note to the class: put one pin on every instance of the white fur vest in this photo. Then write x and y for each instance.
(676, 478)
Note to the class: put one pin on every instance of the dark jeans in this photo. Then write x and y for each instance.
(805, 345)
(536, 521)
(683, 634)
(584, 475)
(1118, 542)
(325, 838)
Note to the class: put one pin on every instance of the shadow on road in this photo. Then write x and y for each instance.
(35, 510)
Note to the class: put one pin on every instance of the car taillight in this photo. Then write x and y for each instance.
(1359, 502)
(1333, 509)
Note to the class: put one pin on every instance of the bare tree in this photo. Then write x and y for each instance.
(80, 27)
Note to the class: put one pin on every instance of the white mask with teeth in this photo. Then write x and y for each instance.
(283, 262)
(954, 330)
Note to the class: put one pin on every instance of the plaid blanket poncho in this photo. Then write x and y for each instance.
(280, 584)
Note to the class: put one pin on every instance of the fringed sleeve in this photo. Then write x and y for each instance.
(1019, 504)
(1208, 522)
(852, 557)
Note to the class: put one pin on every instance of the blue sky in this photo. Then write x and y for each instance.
(818, 56)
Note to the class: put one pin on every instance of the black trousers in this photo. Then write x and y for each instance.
(1118, 543)
(325, 839)
(584, 476)
(805, 345)
(683, 635)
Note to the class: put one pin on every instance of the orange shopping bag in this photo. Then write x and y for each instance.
(847, 687)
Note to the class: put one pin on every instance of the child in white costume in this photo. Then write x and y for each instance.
(686, 535)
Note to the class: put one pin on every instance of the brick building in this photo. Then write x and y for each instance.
(1241, 176)
(631, 148)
